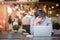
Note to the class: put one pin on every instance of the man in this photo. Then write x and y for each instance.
(40, 20)
(26, 20)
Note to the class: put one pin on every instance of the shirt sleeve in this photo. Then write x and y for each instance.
(31, 22)
(31, 25)
(49, 23)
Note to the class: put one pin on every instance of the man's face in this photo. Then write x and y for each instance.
(38, 19)
(41, 19)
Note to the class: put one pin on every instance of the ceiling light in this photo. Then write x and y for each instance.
(49, 8)
(52, 6)
(57, 14)
(50, 12)
(57, 4)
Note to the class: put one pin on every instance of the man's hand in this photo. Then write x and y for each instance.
(36, 21)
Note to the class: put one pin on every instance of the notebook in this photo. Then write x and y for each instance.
(42, 30)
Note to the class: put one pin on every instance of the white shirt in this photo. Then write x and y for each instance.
(26, 20)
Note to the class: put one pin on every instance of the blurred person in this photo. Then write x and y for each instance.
(40, 20)
(13, 11)
(16, 24)
(26, 20)
(18, 14)
(56, 25)
(10, 23)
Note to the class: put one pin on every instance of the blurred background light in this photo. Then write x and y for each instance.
(50, 12)
(57, 14)
(52, 6)
(57, 4)
(49, 8)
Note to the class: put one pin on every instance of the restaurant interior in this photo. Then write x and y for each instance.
(8, 8)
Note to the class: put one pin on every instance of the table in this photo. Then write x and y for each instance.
(18, 36)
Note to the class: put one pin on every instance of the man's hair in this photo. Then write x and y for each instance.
(40, 13)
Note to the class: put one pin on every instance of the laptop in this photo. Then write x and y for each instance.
(42, 30)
